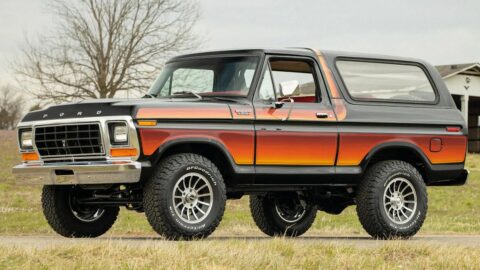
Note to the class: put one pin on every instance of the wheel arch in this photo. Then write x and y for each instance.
(404, 151)
(211, 149)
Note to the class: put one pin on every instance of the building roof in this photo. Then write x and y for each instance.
(454, 69)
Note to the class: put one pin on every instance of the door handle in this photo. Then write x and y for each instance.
(321, 115)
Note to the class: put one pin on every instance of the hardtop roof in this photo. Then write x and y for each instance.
(295, 51)
(286, 51)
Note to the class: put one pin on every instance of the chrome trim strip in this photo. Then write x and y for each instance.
(106, 172)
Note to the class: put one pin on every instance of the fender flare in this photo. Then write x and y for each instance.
(404, 145)
(244, 169)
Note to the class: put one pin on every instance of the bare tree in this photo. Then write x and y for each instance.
(103, 47)
(11, 105)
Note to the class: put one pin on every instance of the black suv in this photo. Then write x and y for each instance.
(297, 130)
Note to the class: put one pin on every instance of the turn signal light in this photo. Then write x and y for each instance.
(147, 123)
(30, 156)
(123, 152)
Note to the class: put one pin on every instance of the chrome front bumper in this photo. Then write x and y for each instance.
(73, 173)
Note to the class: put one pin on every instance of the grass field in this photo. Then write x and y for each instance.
(451, 210)
(241, 254)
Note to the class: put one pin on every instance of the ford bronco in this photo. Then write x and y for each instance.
(298, 130)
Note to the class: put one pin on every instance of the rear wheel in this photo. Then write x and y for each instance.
(185, 198)
(282, 214)
(69, 218)
(392, 200)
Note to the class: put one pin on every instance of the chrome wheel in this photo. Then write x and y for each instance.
(192, 198)
(400, 200)
(291, 210)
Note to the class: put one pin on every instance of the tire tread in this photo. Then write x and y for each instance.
(154, 200)
(367, 199)
(262, 215)
(62, 221)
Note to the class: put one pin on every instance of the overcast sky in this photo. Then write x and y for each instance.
(441, 32)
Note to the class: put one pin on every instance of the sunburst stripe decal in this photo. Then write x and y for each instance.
(186, 112)
(355, 146)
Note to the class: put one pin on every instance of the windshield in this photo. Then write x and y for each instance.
(230, 76)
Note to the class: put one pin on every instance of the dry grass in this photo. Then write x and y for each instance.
(240, 254)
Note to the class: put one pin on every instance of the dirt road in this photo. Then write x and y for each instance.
(359, 241)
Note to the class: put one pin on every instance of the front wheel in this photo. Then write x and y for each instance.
(392, 200)
(185, 198)
(69, 218)
(282, 214)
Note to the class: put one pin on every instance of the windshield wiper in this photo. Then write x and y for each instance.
(226, 99)
(205, 97)
(188, 93)
(147, 95)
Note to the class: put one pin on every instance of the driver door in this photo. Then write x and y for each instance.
(295, 124)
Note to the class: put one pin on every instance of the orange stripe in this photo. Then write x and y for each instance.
(184, 113)
(340, 109)
(296, 148)
(295, 115)
(355, 146)
(329, 77)
(240, 144)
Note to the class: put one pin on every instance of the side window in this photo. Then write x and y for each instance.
(166, 87)
(248, 75)
(294, 79)
(386, 81)
(266, 88)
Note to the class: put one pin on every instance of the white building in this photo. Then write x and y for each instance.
(463, 81)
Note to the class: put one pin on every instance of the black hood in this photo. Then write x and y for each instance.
(102, 107)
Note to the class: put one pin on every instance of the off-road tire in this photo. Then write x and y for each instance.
(55, 203)
(157, 197)
(370, 205)
(269, 222)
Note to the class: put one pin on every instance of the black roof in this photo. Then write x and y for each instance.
(333, 54)
(295, 51)
(286, 51)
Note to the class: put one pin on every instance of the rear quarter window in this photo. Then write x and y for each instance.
(391, 82)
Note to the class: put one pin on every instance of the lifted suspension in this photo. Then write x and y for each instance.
(129, 196)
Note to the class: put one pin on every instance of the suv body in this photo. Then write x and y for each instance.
(298, 130)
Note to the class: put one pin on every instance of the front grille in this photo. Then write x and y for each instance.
(69, 140)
